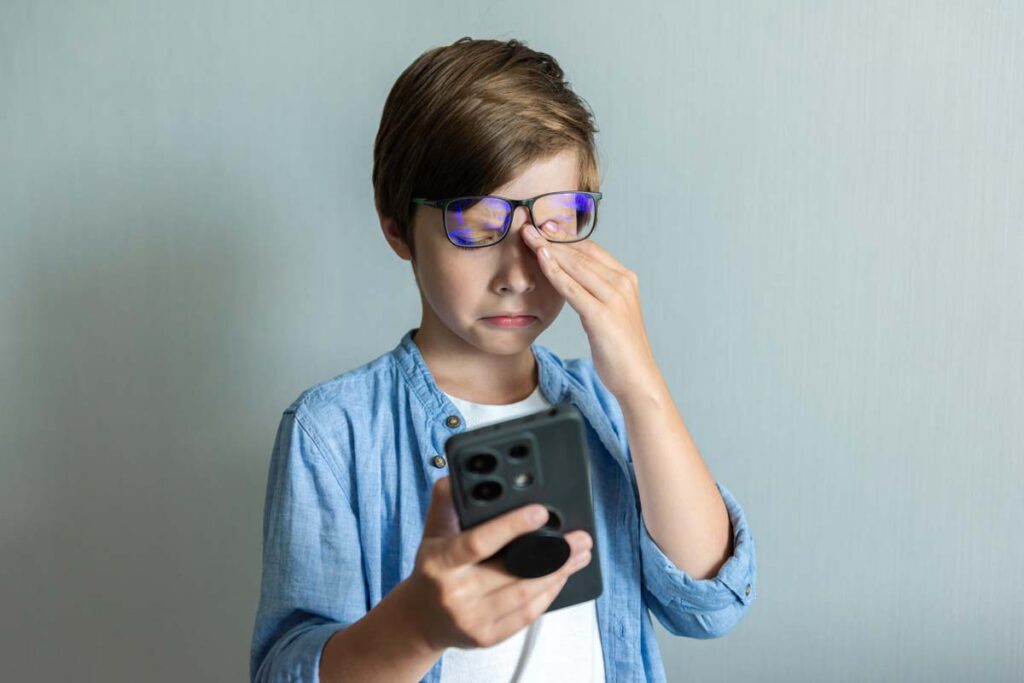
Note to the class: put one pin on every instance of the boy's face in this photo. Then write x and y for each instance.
(461, 287)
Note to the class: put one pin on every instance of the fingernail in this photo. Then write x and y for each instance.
(550, 227)
(538, 514)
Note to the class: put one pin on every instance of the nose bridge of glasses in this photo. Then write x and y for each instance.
(527, 214)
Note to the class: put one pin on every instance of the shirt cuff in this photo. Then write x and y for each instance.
(735, 581)
(296, 656)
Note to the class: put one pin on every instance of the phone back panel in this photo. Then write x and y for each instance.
(537, 458)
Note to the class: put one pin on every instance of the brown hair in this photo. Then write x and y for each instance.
(466, 118)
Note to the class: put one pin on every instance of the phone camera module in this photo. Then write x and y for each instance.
(487, 490)
(518, 452)
(481, 463)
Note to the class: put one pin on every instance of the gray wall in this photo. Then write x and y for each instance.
(823, 202)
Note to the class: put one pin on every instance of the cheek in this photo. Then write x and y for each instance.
(451, 286)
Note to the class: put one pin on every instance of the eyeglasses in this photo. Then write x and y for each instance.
(484, 220)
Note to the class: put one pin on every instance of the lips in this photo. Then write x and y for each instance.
(507, 321)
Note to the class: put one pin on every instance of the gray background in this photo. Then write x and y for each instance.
(823, 203)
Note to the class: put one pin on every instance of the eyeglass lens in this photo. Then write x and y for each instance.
(482, 221)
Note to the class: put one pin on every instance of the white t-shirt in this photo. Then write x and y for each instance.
(563, 645)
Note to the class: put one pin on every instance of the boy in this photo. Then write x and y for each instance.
(365, 573)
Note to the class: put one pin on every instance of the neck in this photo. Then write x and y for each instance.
(473, 374)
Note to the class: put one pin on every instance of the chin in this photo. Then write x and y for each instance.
(506, 341)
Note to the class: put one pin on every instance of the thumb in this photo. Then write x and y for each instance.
(442, 521)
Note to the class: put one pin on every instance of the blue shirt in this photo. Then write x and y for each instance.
(350, 481)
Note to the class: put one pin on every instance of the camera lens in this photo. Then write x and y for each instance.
(518, 451)
(481, 463)
(487, 490)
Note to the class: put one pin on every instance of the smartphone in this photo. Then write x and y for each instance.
(541, 458)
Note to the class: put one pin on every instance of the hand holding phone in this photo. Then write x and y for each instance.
(460, 598)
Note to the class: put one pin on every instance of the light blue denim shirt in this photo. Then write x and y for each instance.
(350, 480)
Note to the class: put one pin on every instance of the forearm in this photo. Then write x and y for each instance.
(382, 646)
(682, 508)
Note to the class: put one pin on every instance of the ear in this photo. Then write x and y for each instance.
(390, 229)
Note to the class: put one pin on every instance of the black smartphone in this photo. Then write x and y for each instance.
(541, 458)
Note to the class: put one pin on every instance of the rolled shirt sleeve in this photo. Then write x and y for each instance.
(313, 583)
(701, 608)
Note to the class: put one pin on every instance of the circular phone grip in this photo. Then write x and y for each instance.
(535, 554)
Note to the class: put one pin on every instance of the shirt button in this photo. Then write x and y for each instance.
(438, 462)
(453, 421)
(746, 591)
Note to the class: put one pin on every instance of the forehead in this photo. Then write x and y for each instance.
(556, 172)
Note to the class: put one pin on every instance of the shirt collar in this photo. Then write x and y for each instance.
(445, 419)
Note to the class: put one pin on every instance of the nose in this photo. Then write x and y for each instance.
(515, 270)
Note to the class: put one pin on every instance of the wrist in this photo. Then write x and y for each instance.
(646, 392)
(407, 609)
(387, 644)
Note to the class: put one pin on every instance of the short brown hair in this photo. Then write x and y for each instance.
(466, 118)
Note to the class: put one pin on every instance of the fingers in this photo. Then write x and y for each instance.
(522, 602)
(441, 520)
(588, 272)
(599, 253)
(578, 296)
(587, 265)
(493, 575)
(591, 248)
(479, 543)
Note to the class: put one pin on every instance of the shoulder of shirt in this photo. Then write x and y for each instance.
(582, 373)
(345, 393)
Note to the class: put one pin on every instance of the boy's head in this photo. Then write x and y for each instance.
(479, 117)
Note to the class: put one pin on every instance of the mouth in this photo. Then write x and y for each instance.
(510, 321)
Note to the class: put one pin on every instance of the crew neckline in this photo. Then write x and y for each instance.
(456, 399)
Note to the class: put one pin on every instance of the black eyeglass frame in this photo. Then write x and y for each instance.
(515, 203)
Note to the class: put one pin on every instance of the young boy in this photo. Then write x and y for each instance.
(366, 576)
